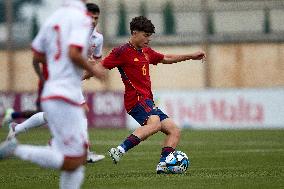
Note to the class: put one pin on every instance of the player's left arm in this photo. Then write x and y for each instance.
(39, 52)
(170, 59)
(38, 59)
(98, 67)
(38, 70)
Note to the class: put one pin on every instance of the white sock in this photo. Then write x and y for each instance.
(44, 156)
(36, 120)
(121, 149)
(72, 179)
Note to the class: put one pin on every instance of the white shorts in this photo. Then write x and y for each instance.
(67, 125)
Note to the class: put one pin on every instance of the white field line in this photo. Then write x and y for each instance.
(251, 151)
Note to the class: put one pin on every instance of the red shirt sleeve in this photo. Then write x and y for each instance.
(114, 59)
(154, 57)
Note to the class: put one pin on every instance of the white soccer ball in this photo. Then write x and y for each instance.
(177, 162)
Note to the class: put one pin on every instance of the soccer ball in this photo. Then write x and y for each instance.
(177, 162)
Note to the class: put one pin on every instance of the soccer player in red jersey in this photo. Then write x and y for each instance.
(132, 60)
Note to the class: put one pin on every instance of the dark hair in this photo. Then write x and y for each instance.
(141, 23)
(93, 8)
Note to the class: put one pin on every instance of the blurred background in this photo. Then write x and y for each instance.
(241, 84)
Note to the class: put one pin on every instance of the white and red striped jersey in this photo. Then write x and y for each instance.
(96, 45)
(68, 26)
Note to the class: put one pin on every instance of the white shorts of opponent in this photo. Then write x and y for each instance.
(67, 126)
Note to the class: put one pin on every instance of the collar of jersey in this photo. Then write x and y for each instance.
(132, 46)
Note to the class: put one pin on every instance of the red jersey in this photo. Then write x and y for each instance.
(133, 65)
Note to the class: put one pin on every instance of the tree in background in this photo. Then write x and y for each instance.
(34, 26)
(17, 4)
(143, 9)
(210, 22)
(122, 15)
(169, 19)
(266, 23)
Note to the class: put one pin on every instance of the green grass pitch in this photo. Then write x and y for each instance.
(219, 159)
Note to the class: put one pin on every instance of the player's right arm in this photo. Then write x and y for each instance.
(94, 63)
(79, 35)
(75, 54)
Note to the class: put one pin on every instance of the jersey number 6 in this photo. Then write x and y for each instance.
(144, 70)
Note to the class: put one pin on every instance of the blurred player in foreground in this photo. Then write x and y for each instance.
(95, 55)
(132, 60)
(62, 43)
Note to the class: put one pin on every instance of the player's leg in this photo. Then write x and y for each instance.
(160, 122)
(36, 120)
(142, 113)
(41, 155)
(172, 133)
(77, 176)
(23, 114)
(68, 151)
(70, 137)
(92, 156)
(7, 119)
(45, 156)
(11, 115)
(152, 126)
(28, 113)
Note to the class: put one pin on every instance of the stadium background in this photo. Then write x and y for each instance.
(243, 41)
(233, 104)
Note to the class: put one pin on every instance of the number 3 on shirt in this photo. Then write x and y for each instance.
(144, 70)
(58, 42)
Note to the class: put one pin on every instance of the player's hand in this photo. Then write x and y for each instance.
(199, 55)
(99, 72)
(92, 61)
